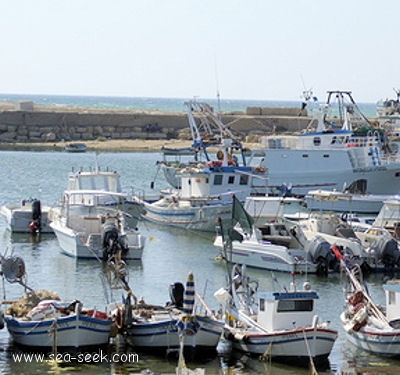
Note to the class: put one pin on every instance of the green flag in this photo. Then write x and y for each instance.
(239, 215)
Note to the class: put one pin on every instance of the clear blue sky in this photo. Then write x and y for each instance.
(248, 49)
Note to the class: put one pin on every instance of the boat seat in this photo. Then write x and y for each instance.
(345, 232)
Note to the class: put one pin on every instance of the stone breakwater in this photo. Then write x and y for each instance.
(34, 123)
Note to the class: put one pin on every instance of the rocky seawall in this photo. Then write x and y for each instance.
(30, 123)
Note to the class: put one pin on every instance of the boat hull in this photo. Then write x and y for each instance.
(74, 245)
(199, 218)
(19, 218)
(297, 344)
(268, 256)
(76, 331)
(330, 169)
(163, 336)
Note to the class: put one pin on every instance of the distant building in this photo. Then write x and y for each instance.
(24, 106)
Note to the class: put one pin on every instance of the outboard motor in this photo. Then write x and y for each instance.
(36, 223)
(388, 252)
(110, 239)
(321, 254)
(176, 292)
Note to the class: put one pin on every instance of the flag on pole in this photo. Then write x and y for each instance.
(240, 215)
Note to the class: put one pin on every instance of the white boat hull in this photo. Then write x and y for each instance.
(294, 344)
(385, 341)
(75, 331)
(19, 218)
(164, 335)
(77, 246)
(268, 256)
(199, 218)
(328, 169)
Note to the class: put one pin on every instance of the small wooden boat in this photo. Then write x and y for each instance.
(39, 320)
(65, 325)
(368, 326)
(159, 329)
(76, 147)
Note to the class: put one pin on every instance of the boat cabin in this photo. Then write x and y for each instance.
(286, 310)
(219, 182)
(95, 180)
(392, 293)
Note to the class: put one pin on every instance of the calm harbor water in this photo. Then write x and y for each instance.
(168, 257)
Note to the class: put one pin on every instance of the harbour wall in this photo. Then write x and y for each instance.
(32, 123)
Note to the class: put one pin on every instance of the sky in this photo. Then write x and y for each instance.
(241, 49)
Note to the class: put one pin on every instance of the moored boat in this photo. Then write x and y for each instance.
(87, 229)
(76, 147)
(280, 325)
(28, 217)
(368, 326)
(164, 329)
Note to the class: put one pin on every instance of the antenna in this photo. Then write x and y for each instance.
(217, 83)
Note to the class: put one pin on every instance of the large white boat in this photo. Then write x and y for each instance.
(87, 229)
(332, 154)
(280, 325)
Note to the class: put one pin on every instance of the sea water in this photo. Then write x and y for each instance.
(166, 104)
(169, 255)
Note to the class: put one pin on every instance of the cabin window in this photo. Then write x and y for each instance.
(317, 141)
(293, 306)
(326, 155)
(305, 155)
(262, 304)
(231, 180)
(218, 179)
(397, 174)
(392, 298)
(244, 179)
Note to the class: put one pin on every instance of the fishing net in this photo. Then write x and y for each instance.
(27, 302)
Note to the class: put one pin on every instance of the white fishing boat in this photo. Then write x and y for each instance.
(332, 153)
(369, 326)
(28, 217)
(206, 131)
(40, 320)
(163, 329)
(107, 180)
(87, 229)
(206, 193)
(279, 325)
(64, 325)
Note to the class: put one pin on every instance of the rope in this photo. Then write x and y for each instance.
(312, 365)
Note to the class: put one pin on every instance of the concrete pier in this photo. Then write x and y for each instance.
(22, 122)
